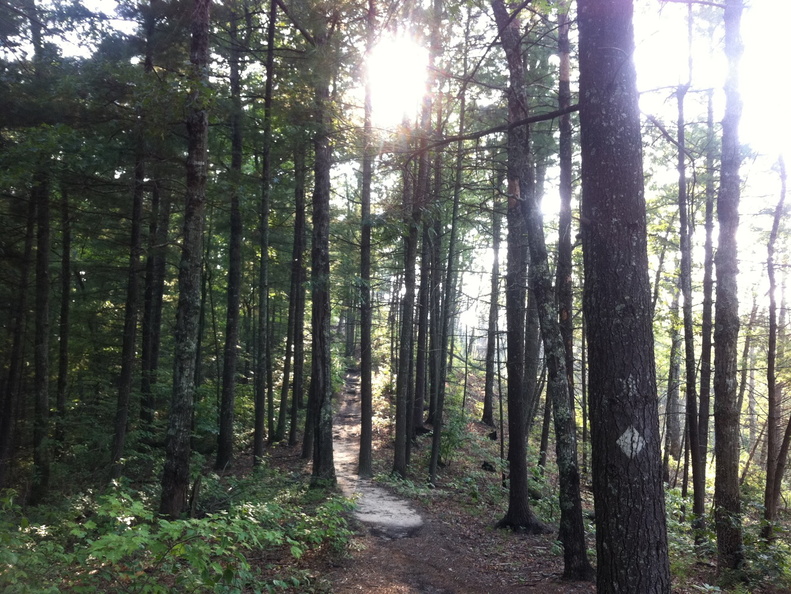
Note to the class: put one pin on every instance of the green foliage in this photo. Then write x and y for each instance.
(116, 542)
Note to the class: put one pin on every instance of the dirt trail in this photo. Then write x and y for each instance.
(405, 548)
(385, 514)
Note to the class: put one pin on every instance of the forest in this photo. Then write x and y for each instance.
(219, 220)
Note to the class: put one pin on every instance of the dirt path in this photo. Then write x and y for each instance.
(406, 548)
(385, 514)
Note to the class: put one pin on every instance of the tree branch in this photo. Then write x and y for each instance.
(305, 33)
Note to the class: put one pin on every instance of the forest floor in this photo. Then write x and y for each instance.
(438, 541)
(409, 539)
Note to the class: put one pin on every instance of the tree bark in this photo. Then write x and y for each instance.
(175, 478)
(153, 301)
(233, 290)
(491, 335)
(706, 327)
(64, 327)
(411, 216)
(365, 461)
(321, 382)
(12, 382)
(727, 502)
(298, 274)
(129, 337)
(41, 425)
(519, 175)
(264, 363)
(774, 463)
(631, 535)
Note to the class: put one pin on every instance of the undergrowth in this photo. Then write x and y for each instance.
(248, 530)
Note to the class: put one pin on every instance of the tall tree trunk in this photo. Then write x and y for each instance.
(673, 435)
(264, 363)
(449, 298)
(129, 338)
(154, 282)
(491, 335)
(563, 272)
(706, 327)
(233, 291)
(153, 301)
(519, 515)
(774, 391)
(298, 274)
(422, 355)
(727, 503)
(175, 478)
(65, 312)
(697, 455)
(411, 216)
(40, 194)
(631, 534)
(12, 382)
(320, 382)
(41, 448)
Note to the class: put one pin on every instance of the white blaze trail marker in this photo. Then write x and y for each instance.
(631, 442)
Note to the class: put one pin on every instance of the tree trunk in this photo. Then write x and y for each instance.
(519, 515)
(41, 450)
(152, 302)
(129, 338)
(673, 435)
(321, 382)
(491, 335)
(233, 291)
(631, 535)
(65, 311)
(422, 355)
(563, 272)
(727, 503)
(697, 456)
(365, 462)
(264, 363)
(706, 327)
(298, 274)
(411, 216)
(774, 476)
(12, 382)
(175, 478)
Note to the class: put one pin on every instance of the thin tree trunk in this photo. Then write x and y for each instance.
(153, 302)
(233, 291)
(129, 337)
(449, 299)
(41, 450)
(673, 436)
(175, 478)
(697, 456)
(12, 386)
(706, 327)
(519, 515)
(411, 216)
(727, 501)
(422, 355)
(263, 364)
(563, 272)
(491, 335)
(298, 274)
(365, 461)
(320, 382)
(65, 312)
(774, 463)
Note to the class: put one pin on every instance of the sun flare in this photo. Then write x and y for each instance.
(396, 70)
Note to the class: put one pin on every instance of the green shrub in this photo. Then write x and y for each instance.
(115, 542)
